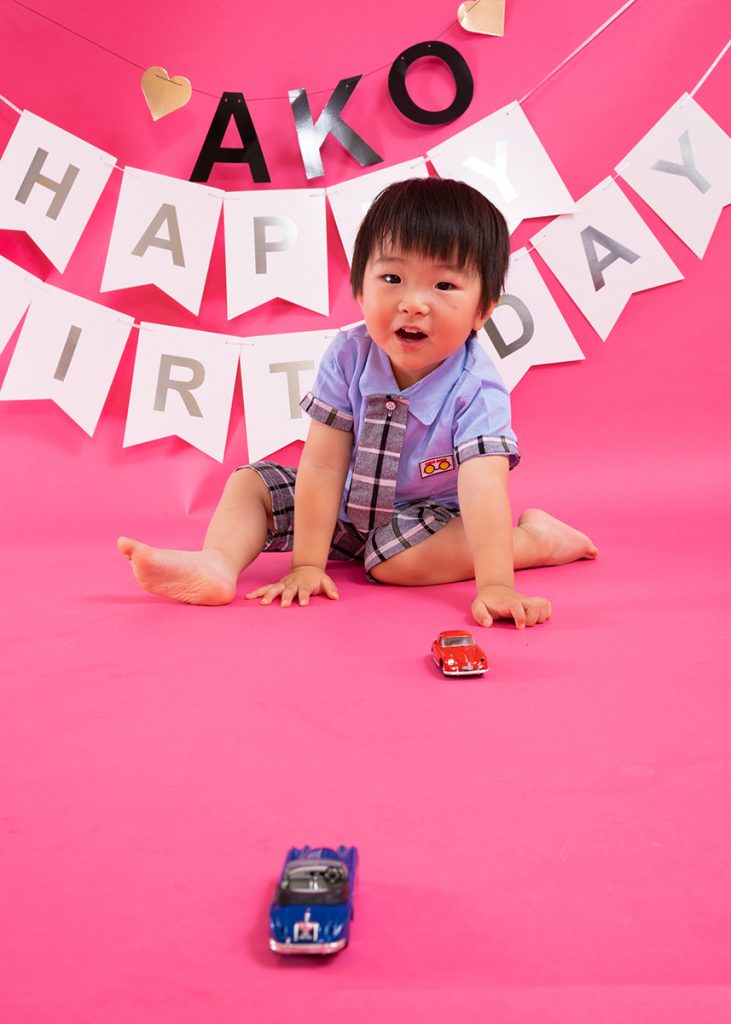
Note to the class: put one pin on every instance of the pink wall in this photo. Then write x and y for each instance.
(549, 844)
(588, 117)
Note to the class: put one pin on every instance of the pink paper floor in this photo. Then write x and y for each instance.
(547, 845)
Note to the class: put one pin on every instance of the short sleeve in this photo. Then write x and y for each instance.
(328, 402)
(482, 424)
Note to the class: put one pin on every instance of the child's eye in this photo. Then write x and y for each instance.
(392, 279)
(445, 286)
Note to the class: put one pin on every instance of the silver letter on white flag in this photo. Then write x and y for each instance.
(682, 169)
(604, 253)
(50, 182)
(276, 373)
(276, 247)
(350, 200)
(527, 328)
(68, 350)
(502, 157)
(163, 235)
(182, 386)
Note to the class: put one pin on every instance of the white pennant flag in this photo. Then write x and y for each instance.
(502, 157)
(604, 253)
(16, 290)
(350, 200)
(276, 373)
(163, 234)
(68, 350)
(50, 182)
(182, 386)
(276, 247)
(682, 169)
(527, 328)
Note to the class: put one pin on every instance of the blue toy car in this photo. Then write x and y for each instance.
(313, 903)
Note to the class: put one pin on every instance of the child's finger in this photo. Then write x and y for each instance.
(288, 594)
(481, 614)
(532, 612)
(518, 613)
(272, 591)
(330, 589)
(537, 609)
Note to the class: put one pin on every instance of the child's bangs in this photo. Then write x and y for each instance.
(433, 234)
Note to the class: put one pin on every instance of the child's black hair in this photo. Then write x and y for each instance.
(441, 219)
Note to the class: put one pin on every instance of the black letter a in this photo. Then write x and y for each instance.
(231, 105)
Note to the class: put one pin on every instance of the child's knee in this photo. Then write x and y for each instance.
(405, 569)
(250, 485)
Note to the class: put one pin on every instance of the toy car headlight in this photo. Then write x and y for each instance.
(451, 661)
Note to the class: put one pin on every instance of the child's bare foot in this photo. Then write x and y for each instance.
(196, 577)
(548, 541)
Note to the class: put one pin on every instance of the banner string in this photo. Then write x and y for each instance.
(11, 105)
(712, 68)
(373, 71)
(366, 74)
(204, 92)
(563, 63)
(578, 49)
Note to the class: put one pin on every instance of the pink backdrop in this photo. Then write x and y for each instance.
(548, 844)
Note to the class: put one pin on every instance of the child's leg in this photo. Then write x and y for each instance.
(539, 539)
(235, 536)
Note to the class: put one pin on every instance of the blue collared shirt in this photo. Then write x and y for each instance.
(458, 411)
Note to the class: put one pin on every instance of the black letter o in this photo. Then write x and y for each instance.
(456, 64)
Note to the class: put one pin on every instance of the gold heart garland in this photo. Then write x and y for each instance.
(484, 16)
(164, 94)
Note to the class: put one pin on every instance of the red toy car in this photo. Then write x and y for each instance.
(457, 654)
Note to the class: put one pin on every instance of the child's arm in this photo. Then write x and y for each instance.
(318, 494)
(485, 510)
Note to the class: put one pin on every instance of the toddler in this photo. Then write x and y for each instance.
(406, 461)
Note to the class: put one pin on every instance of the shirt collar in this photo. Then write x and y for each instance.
(426, 397)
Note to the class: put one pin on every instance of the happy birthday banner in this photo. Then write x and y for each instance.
(69, 348)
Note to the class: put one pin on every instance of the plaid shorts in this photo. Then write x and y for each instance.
(411, 523)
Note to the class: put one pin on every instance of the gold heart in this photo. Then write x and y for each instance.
(484, 16)
(164, 94)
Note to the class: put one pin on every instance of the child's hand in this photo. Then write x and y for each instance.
(300, 583)
(501, 602)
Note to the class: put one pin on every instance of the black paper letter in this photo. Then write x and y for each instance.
(312, 135)
(462, 79)
(231, 105)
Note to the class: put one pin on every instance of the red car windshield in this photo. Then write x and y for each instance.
(458, 641)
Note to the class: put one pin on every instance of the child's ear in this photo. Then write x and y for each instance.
(482, 319)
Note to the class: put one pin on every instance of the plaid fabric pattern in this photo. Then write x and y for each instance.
(326, 414)
(346, 544)
(373, 485)
(483, 445)
(408, 526)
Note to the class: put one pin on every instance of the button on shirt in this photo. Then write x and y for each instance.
(459, 411)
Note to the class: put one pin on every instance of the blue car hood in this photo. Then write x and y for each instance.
(332, 920)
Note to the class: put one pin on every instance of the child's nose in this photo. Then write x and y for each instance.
(414, 300)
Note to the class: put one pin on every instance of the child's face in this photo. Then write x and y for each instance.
(419, 310)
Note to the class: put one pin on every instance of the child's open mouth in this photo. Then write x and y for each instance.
(410, 334)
